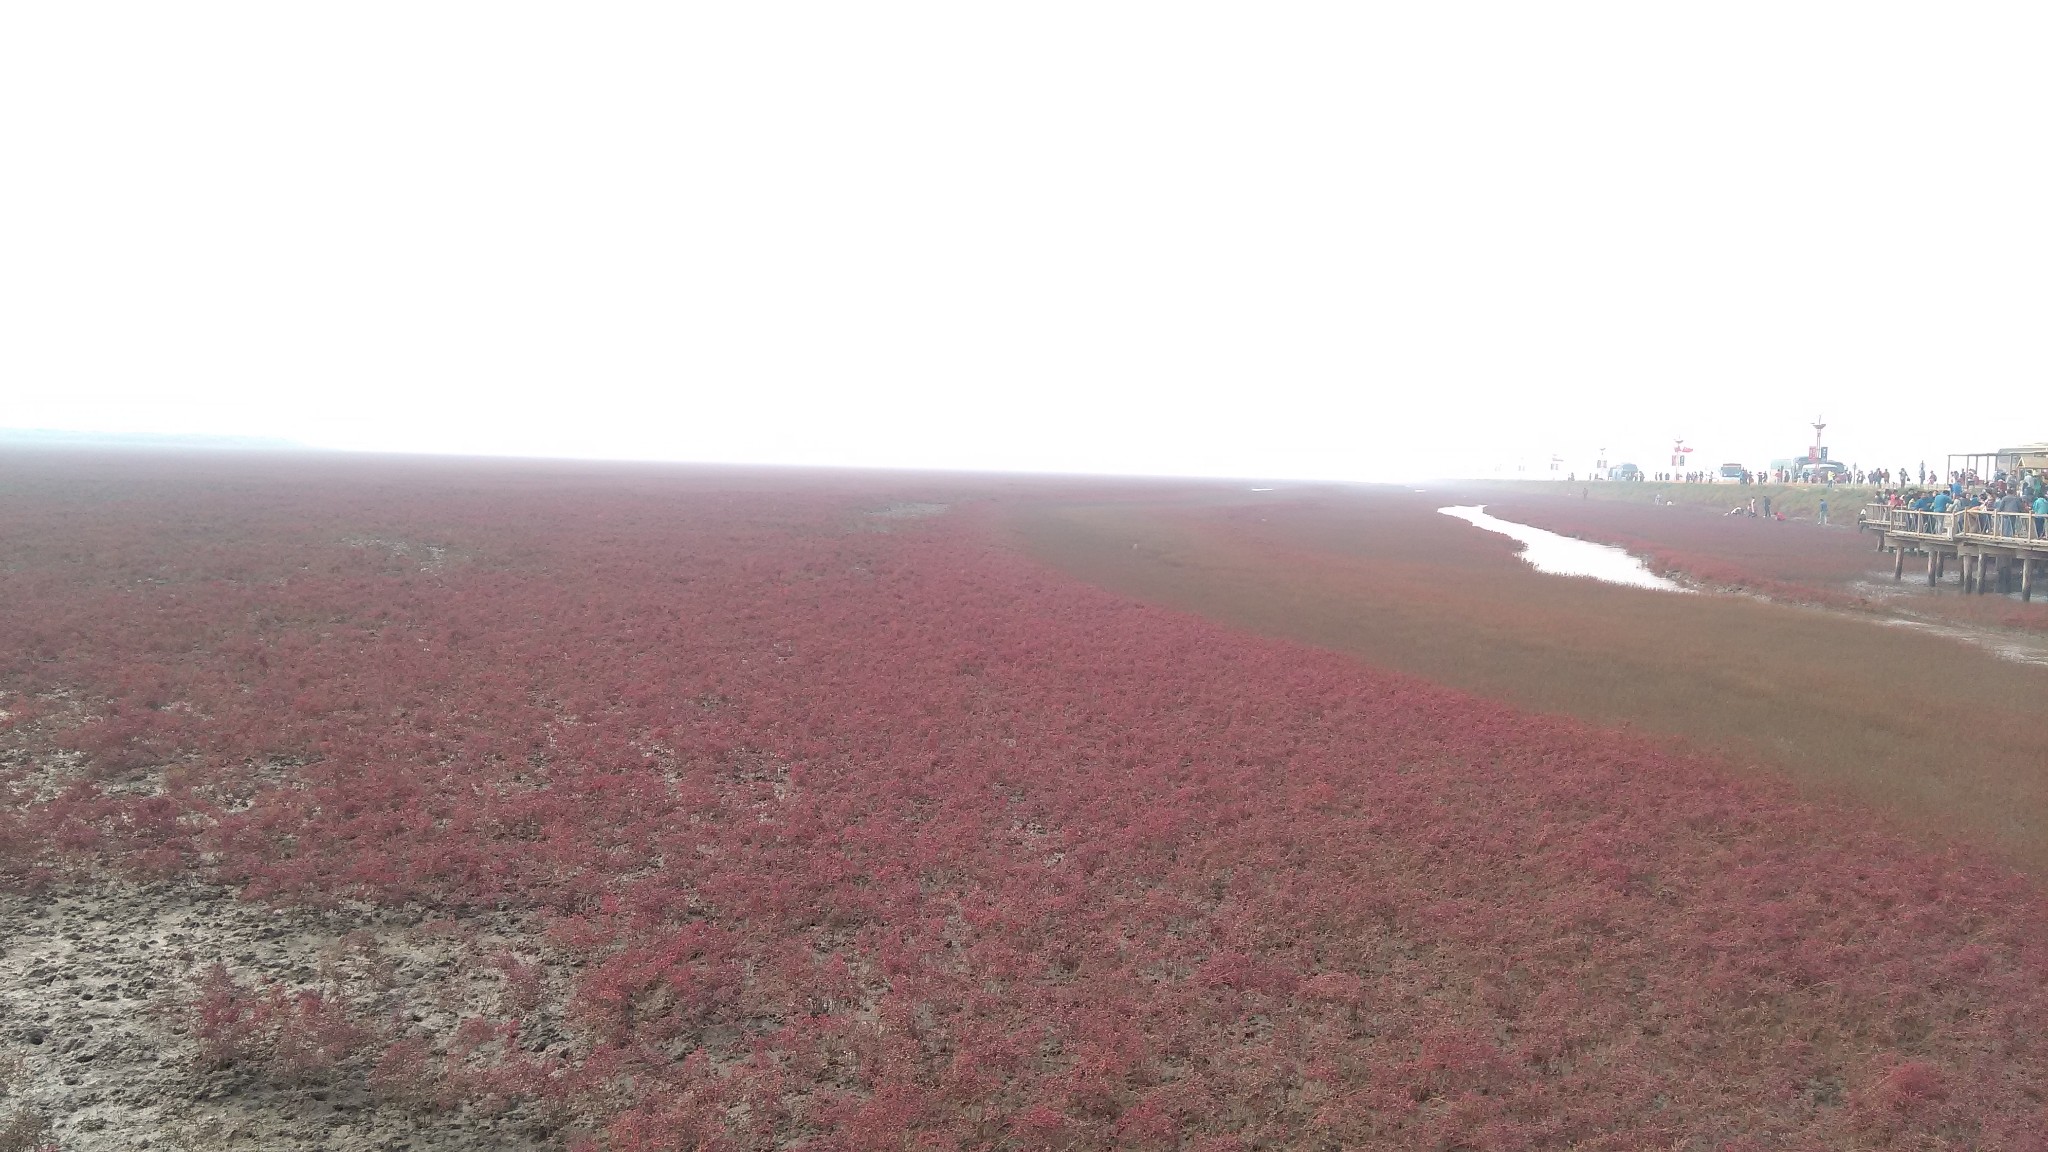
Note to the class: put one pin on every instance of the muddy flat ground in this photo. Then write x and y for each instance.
(96, 981)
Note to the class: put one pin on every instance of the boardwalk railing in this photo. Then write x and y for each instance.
(1992, 547)
(1930, 525)
(1987, 525)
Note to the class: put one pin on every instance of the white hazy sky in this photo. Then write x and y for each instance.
(1346, 240)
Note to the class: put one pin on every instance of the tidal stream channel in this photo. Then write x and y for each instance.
(1565, 556)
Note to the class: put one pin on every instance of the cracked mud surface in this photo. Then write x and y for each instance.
(96, 983)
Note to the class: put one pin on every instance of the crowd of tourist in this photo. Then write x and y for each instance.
(1825, 475)
(2012, 503)
(2014, 499)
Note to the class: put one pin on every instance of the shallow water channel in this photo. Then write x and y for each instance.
(1565, 556)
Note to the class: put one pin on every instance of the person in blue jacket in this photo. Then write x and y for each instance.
(1921, 503)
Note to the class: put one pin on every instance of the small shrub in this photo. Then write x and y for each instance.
(298, 1035)
(525, 985)
(228, 1020)
(25, 1130)
(313, 1035)
(1911, 1085)
(404, 1072)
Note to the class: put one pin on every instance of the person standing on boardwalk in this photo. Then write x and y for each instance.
(2010, 502)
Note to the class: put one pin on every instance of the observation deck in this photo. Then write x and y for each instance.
(1998, 551)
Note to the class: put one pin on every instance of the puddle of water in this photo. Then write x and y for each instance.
(1564, 556)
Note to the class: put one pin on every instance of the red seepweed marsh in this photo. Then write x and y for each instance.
(759, 812)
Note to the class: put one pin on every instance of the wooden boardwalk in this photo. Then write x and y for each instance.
(1995, 551)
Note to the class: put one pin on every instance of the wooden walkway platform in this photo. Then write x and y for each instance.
(1995, 551)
